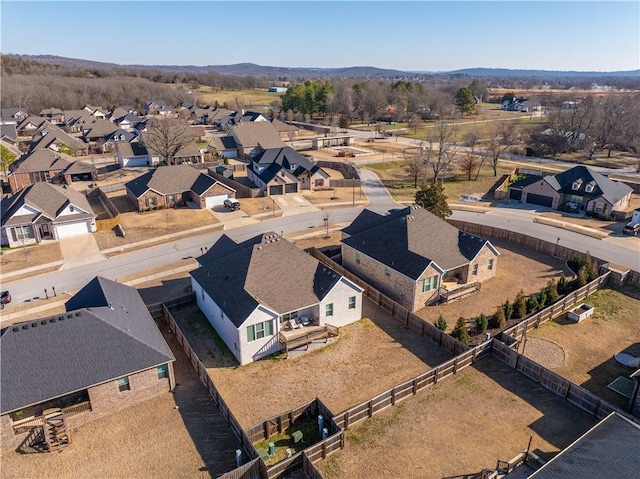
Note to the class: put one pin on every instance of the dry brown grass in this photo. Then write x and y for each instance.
(459, 426)
(517, 269)
(591, 344)
(371, 355)
(335, 195)
(19, 258)
(256, 206)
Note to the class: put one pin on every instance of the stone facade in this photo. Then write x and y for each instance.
(482, 261)
(105, 400)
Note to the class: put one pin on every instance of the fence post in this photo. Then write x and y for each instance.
(370, 408)
(393, 397)
(415, 386)
(346, 419)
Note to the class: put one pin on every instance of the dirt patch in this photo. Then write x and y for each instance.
(335, 195)
(518, 269)
(546, 353)
(591, 344)
(152, 224)
(370, 356)
(460, 426)
(255, 206)
(19, 258)
(172, 435)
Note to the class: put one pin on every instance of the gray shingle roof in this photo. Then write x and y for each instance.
(49, 199)
(221, 143)
(256, 133)
(172, 179)
(610, 449)
(128, 150)
(91, 344)
(276, 159)
(266, 270)
(409, 240)
(9, 130)
(48, 134)
(44, 160)
(612, 191)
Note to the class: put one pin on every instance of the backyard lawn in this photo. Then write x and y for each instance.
(458, 427)
(590, 345)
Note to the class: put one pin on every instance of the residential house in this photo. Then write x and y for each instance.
(30, 125)
(156, 107)
(520, 104)
(13, 115)
(237, 117)
(96, 133)
(96, 112)
(118, 136)
(104, 354)
(134, 154)
(254, 137)
(45, 211)
(580, 188)
(285, 130)
(175, 185)
(248, 291)
(76, 121)
(126, 121)
(223, 146)
(611, 448)
(8, 133)
(279, 171)
(49, 166)
(213, 117)
(55, 116)
(52, 137)
(416, 258)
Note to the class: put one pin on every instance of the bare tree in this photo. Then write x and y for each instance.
(502, 136)
(416, 168)
(608, 126)
(470, 161)
(166, 136)
(414, 122)
(168, 216)
(239, 102)
(443, 138)
(326, 218)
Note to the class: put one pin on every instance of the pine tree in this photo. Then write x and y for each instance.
(482, 323)
(432, 198)
(499, 319)
(552, 291)
(583, 277)
(520, 306)
(440, 323)
(532, 303)
(508, 310)
(562, 283)
(460, 331)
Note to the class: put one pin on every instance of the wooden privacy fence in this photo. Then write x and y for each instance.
(398, 311)
(242, 191)
(250, 470)
(560, 386)
(411, 387)
(517, 331)
(343, 183)
(232, 422)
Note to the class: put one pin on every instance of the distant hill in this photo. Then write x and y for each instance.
(251, 69)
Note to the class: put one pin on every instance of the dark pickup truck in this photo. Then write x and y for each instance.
(5, 298)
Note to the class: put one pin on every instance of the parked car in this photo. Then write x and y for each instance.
(5, 298)
(631, 229)
(572, 207)
(232, 204)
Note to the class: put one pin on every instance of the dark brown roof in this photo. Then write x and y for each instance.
(256, 133)
(172, 179)
(44, 160)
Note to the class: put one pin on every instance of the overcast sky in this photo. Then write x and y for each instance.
(415, 36)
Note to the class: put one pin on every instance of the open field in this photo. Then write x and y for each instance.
(509, 280)
(247, 98)
(590, 345)
(370, 356)
(172, 435)
(459, 426)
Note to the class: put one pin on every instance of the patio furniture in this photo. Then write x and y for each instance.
(297, 436)
(304, 320)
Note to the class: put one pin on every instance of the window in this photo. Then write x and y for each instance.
(151, 202)
(599, 207)
(328, 310)
(475, 270)
(71, 209)
(123, 384)
(352, 302)
(259, 331)
(163, 371)
(22, 232)
(319, 182)
(171, 198)
(428, 284)
(490, 267)
(357, 257)
(576, 184)
(286, 317)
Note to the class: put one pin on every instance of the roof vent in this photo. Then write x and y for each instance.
(61, 318)
(15, 330)
(78, 313)
(69, 316)
(34, 325)
(25, 326)
(43, 322)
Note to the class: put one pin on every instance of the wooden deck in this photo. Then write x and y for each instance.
(296, 338)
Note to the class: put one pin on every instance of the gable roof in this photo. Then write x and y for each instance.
(36, 121)
(282, 127)
(221, 143)
(48, 134)
(265, 269)
(129, 149)
(90, 344)
(43, 160)
(257, 133)
(276, 159)
(610, 449)
(8, 130)
(99, 129)
(612, 191)
(49, 200)
(172, 179)
(408, 241)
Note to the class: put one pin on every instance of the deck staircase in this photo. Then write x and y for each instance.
(56, 435)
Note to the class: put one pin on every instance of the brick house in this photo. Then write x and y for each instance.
(415, 257)
(175, 185)
(253, 137)
(101, 356)
(249, 291)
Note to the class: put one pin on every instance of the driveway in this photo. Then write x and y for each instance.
(293, 204)
(79, 250)
(231, 219)
(379, 198)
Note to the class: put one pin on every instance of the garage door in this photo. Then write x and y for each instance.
(72, 229)
(275, 190)
(291, 188)
(539, 200)
(515, 194)
(215, 200)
